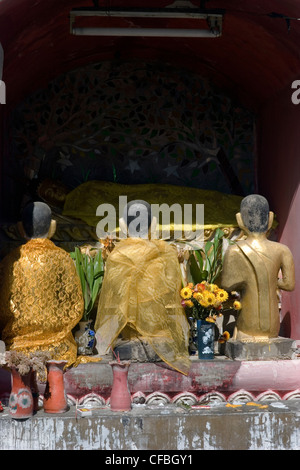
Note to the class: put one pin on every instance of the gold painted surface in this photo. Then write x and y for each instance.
(140, 290)
(253, 267)
(40, 300)
(72, 231)
(219, 209)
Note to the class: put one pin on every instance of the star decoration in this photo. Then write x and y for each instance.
(133, 166)
(171, 170)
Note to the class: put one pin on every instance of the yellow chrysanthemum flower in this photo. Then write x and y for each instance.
(209, 298)
(202, 299)
(222, 295)
(189, 303)
(186, 293)
(237, 305)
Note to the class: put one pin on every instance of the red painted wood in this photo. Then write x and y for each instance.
(254, 58)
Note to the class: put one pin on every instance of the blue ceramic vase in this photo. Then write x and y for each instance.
(193, 341)
(206, 338)
(85, 338)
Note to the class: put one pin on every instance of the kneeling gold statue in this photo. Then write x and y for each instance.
(253, 266)
(140, 294)
(40, 294)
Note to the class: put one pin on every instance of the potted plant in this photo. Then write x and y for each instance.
(203, 299)
(206, 264)
(90, 269)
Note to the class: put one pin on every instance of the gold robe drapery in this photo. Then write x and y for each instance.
(141, 290)
(253, 266)
(219, 208)
(40, 300)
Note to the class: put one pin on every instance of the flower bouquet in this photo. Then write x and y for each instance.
(207, 302)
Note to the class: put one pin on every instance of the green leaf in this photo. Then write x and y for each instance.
(79, 267)
(207, 247)
(195, 270)
(96, 288)
(98, 263)
(198, 254)
(90, 273)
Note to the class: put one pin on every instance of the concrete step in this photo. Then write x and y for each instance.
(247, 426)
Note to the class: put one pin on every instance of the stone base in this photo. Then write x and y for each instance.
(270, 350)
(170, 432)
(135, 351)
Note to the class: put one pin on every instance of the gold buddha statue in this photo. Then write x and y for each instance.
(40, 294)
(140, 294)
(253, 267)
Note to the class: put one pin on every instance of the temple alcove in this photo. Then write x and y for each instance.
(253, 63)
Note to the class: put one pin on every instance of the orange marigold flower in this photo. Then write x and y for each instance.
(224, 337)
(210, 319)
(198, 296)
(200, 287)
(237, 305)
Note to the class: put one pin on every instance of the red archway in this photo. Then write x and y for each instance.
(256, 56)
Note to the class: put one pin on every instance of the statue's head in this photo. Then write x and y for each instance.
(37, 220)
(137, 219)
(254, 215)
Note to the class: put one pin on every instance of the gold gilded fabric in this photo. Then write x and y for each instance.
(140, 291)
(219, 208)
(40, 300)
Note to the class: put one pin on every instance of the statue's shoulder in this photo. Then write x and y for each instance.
(285, 250)
(128, 248)
(233, 248)
(164, 247)
(278, 246)
(59, 252)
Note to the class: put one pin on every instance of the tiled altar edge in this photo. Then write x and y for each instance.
(219, 380)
